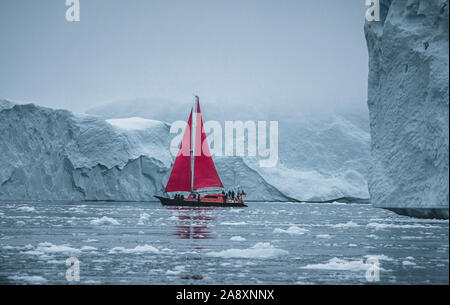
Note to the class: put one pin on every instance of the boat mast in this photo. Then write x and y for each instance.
(193, 134)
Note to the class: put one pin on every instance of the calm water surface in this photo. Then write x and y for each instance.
(266, 243)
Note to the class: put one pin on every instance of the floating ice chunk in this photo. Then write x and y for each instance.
(340, 264)
(48, 248)
(143, 218)
(349, 224)
(177, 270)
(104, 221)
(26, 209)
(408, 263)
(259, 250)
(137, 249)
(237, 238)
(88, 248)
(326, 236)
(228, 223)
(293, 230)
(372, 236)
(33, 279)
(380, 257)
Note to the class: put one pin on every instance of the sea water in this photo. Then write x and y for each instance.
(266, 243)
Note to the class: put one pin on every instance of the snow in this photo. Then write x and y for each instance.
(408, 94)
(259, 250)
(105, 220)
(292, 230)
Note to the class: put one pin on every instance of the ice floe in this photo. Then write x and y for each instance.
(349, 224)
(340, 264)
(46, 248)
(137, 249)
(259, 250)
(230, 223)
(177, 270)
(88, 248)
(326, 236)
(32, 279)
(237, 238)
(26, 209)
(105, 220)
(293, 230)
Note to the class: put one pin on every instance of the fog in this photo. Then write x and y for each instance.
(288, 55)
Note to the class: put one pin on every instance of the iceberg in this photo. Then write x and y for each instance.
(408, 92)
(53, 154)
(49, 154)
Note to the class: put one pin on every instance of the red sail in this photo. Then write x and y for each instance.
(180, 177)
(205, 173)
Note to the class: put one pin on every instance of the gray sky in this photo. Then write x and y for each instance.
(299, 52)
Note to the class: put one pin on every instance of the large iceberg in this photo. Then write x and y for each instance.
(49, 154)
(408, 99)
(322, 154)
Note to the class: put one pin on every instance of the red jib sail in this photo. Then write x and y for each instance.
(180, 177)
(205, 173)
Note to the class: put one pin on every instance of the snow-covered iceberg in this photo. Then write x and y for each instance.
(408, 103)
(49, 154)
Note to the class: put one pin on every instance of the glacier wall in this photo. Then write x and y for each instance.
(408, 98)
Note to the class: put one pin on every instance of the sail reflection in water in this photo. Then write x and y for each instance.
(193, 223)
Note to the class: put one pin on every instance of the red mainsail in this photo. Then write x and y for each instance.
(180, 177)
(204, 174)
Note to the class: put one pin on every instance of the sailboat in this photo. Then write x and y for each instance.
(194, 171)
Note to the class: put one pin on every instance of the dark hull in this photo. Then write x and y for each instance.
(195, 203)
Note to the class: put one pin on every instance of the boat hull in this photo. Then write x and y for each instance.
(198, 203)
